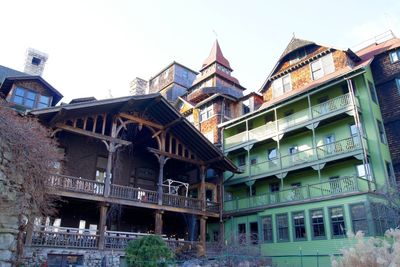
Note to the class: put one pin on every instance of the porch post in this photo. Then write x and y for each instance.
(203, 187)
(29, 232)
(159, 222)
(203, 220)
(102, 224)
(161, 160)
(107, 182)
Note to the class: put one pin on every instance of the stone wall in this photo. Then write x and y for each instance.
(8, 215)
(35, 256)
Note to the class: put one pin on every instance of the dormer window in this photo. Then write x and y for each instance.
(322, 67)
(281, 86)
(29, 99)
(298, 55)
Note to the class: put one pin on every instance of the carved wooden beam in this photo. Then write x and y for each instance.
(173, 156)
(141, 121)
(92, 134)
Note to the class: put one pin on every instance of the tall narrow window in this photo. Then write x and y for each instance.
(354, 135)
(299, 226)
(372, 91)
(254, 233)
(317, 223)
(281, 86)
(337, 222)
(283, 227)
(242, 160)
(242, 233)
(267, 229)
(359, 218)
(395, 56)
(381, 131)
(322, 67)
(390, 172)
(272, 154)
(364, 171)
(398, 85)
(329, 144)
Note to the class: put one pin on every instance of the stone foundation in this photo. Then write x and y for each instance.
(91, 258)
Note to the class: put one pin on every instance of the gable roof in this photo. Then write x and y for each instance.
(163, 112)
(216, 56)
(8, 72)
(293, 45)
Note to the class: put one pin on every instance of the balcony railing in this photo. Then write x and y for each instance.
(75, 184)
(320, 111)
(313, 191)
(49, 236)
(308, 156)
(62, 237)
(79, 185)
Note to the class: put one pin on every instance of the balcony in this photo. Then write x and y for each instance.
(297, 120)
(322, 190)
(320, 154)
(88, 189)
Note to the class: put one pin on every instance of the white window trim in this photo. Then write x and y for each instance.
(397, 51)
(322, 67)
(281, 81)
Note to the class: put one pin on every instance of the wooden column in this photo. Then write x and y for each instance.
(29, 232)
(161, 160)
(107, 182)
(221, 237)
(159, 222)
(102, 224)
(203, 187)
(203, 220)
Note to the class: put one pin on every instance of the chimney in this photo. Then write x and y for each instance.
(35, 61)
(138, 87)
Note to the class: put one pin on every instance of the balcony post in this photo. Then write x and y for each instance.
(158, 222)
(161, 160)
(203, 221)
(203, 187)
(102, 224)
(107, 184)
(308, 191)
(29, 232)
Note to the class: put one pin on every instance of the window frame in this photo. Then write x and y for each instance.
(208, 111)
(294, 226)
(344, 222)
(36, 99)
(397, 53)
(313, 237)
(278, 228)
(381, 130)
(321, 67)
(281, 83)
(397, 81)
(372, 91)
(269, 229)
(367, 233)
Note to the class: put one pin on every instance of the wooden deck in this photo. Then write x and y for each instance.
(80, 188)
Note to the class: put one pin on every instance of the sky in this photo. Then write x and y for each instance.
(97, 47)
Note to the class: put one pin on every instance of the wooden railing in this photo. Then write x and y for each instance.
(49, 236)
(134, 194)
(212, 206)
(75, 184)
(317, 112)
(181, 202)
(347, 184)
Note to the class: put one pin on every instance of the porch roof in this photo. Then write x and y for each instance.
(156, 107)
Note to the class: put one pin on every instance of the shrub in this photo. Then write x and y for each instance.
(371, 252)
(148, 251)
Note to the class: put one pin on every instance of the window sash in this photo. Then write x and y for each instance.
(299, 225)
(267, 229)
(283, 227)
(317, 223)
(337, 222)
(394, 56)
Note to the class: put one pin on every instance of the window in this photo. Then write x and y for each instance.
(298, 55)
(364, 172)
(299, 226)
(185, 74)
(359, 218)
(227, 110)
(395, 56)
(267, 229)
(354, 135)
(242, 160)
(329, 144)
(373, 92)
(29, 99)
(254, 233)
(283, 227)
(281, 86)
(337, 222)
(390, 172)
(398, 85)
(206, 112)
(101, 167)
(245, 109)
(242, 233)
(272, 154)
(36, 61)
(381, 131)
(317, 223)
(380, 216)
(253, 161)
(251, 191)
(322, 67)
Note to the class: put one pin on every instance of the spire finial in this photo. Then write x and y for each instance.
(215, 33)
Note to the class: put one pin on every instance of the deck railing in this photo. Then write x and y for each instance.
(75, 184)
(134, 194)
(326, 109)
(50, 236)
(212, 206)
(302, 157)
(329, 188)
(181, 202)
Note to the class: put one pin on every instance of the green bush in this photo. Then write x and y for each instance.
(149, 251)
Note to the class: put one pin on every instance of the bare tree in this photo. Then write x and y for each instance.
(30, 157)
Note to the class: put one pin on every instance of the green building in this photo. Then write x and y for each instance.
(314, 158)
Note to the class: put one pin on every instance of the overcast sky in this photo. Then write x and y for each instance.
(99, 46)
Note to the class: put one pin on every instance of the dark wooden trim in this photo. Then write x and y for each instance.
(173, 156)
(141, 121)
